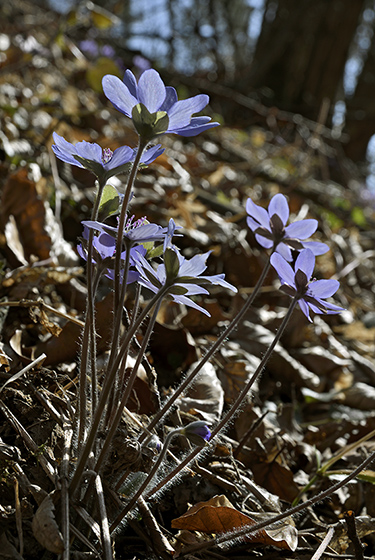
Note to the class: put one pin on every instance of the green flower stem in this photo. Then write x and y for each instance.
(116, 421)
(292, 511)
(111, 375)
(237, 404)
(88, 336)
(147, 480)
(232, 325)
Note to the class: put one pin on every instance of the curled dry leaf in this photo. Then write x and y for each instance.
(218, 515)
(45, 528)
(206, 397)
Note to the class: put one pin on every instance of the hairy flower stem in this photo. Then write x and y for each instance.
(292, 511)
(103, 400)
(238, 402)
(117, 319)
(116, 420)
(232, 325)
(147, 480)
(88, 336)
(121, 224)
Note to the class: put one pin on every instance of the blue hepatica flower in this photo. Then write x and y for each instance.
(151, 94)
(102, 162)
(182, 275)
(297, 283)
(104, 249)
(135, 231)
(197, 432)
(271, 230)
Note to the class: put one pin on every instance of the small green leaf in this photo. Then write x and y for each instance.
(153, 252)
(109, 202)
(358, 216)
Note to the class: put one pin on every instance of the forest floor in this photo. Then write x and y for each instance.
(309, 419)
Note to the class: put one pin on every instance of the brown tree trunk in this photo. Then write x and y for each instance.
(360, 117)
(302, 51)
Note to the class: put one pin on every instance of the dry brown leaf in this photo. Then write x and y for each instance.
(45, 528)
(20, 199)
(218, 515)
(276, 479)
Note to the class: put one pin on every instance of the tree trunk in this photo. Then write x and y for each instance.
(360, 117)
(302, 51)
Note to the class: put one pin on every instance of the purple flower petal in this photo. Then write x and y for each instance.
(118, 94)
(305, 308)
(193, 128)
(181, 111)
(258, 213)
(121, 155)
(306, 262)
(284, 251)
(279, 205)
(301, 229)
(190, 303)
(131, 83)
(170, 99)
(283, 269)
(151, 90)
(316, 247)
(264, 242)
(323, 288)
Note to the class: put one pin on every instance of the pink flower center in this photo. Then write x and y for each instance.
(106, 155)
(130, 224)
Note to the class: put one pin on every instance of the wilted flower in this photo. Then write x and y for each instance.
(102, 162)
(182, 275)
(197, 432)
(155, 108)
(297, 283)
(271, 231)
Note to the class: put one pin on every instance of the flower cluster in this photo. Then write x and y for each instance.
(154, 107)
(297, 283)
(183, 276)
(272, 232)
(102, 162)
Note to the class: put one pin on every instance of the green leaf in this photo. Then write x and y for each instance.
(153, 252)
(109, 202)
(358, 216)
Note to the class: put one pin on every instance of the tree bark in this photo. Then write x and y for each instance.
(360, 116)
(302, 51)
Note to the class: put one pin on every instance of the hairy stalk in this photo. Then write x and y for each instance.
(292, 511)
(147, 480)
(128, 388)
(121, 224)
(88, 336)
(232, 325)
(238, 402)
(116, 333)
(227, 418)
(106, 390)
